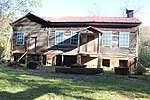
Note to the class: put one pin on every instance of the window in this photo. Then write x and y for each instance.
(74, 37)
(124, 39)
(20, 38)
(106, 38)
(59, 37)
(106, 62)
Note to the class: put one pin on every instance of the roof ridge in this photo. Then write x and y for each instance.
(92, 19)
(82, 16)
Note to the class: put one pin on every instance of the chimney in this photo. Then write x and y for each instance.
(129, 13)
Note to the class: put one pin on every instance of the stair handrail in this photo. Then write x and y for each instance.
(21, 56)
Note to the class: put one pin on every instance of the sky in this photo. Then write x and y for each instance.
(108, 8)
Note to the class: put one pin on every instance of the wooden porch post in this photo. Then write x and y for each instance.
(99, 63)
(62, 60)
(41, 61)
(26, 61)
(78, 55)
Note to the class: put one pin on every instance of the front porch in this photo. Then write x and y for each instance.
(89, 47)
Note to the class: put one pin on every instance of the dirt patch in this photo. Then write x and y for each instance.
(52, 74)
(49, 72)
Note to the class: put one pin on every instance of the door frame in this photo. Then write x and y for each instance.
(35, 44)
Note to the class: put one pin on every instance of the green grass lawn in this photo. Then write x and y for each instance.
(45, 84)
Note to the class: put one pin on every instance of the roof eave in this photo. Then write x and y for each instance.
(104, 23)
(28, 14)
(13, 23)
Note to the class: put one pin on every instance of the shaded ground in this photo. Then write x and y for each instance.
(45, 84)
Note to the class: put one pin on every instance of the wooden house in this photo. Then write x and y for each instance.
(93, 40)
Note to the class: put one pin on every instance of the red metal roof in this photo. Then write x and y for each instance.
(93, 19)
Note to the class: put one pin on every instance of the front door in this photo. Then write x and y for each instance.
(32, 44)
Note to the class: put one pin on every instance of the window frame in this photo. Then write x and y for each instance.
(124, 46)
(73, 38)
(110, 39)
(17, 39)
(58, 43)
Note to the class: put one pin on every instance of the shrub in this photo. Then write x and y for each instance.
(139, 70)
(144, 57)
(32, 65)
(78, 66)
(14, 64)
(3, 61)
(121, 71)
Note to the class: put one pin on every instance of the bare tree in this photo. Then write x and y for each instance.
(13, 8)
(96, 9)
(135, 5)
